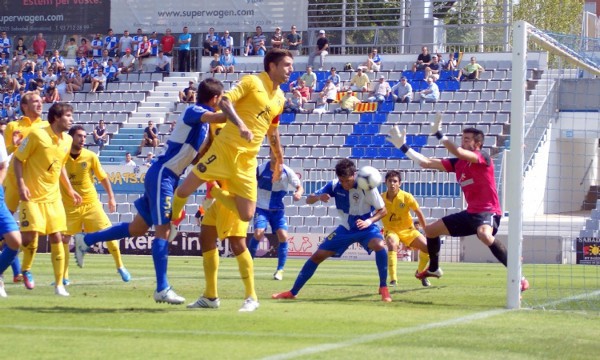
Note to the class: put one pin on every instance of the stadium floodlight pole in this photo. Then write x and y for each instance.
(514, 199)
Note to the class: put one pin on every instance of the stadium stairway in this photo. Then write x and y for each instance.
(126, 140)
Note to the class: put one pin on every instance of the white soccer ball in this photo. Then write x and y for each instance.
(368, 178)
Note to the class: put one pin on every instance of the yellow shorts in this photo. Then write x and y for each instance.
(236, 166)
(226, 222)
(11, 193)
(87, 218)
(405, 236)
(44, 218)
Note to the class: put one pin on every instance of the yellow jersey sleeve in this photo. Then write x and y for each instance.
(8, 134)
(96, 167)
(81, 172)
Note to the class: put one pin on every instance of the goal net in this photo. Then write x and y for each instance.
(550, 186)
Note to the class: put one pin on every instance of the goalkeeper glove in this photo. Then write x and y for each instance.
(436, 127)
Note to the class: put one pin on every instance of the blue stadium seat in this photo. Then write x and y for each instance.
(379, 140)
(285, 87)
(380, 118)
(418, 85)
(371, 152)
(352, 140)
(358, 152)
(322, 75)
(385, 107)
(366, 117)
(359, 129)
(385, 152)
(287, 118)
(365, 140)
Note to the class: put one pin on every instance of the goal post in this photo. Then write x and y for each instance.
(552, 163)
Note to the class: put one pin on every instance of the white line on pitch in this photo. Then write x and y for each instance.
(384, 335)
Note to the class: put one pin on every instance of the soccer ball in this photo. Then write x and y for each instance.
(368, 178)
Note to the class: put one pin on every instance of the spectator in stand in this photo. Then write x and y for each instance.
(128, 160)
(57, 61)
(373, 62)
(150, 137)
(100, 134)
(97, 46)
(74, 81)
(111, 71)
(450, 64)
(137, 39)
(4, 61)
(310, 79)
(294, 41)
(277, 39)
(98, 81)
(149, 159)
(50, 76)
(90, 60)
(211, 43)
(19, 56)
(61, 83)
(51, 94)
(5, 44)
(402, 92)
(381, 91)
(84, 71)
(227, 61)
(111, 43)
(261, 49)
(125, 42)
(471, 71)
(248, 47)
(431, 93)
(39, 46)
(347, 103)
(127, 63)
(80, 56)
(423, 60)
(167, 43)
(303, 89)
(154, 44)
(188, 94)
(184, 41)
(320, 50)
(433, 69)
(84, 47)
(103, 61)
(335, 78)
(226, 42)
(21, 82)
(295, 103)
(329, 92)
(215, 64)
(163, 63)
(257, 38)
(144, 51)
(360, 81)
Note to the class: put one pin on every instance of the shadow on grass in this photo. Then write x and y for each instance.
(80, 310)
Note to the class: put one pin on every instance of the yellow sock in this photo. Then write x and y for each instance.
(58, 262)
(113, 249)
(246, 267)
(29, 253)
(225, 198)
(210, 261)
(66, 267)
(393, 265)
(178, 204)
(423, 261)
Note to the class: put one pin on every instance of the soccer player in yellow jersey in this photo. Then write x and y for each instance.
(15, 132)
(252, 108)
(82, 165)
(398, 225)
(39, 165)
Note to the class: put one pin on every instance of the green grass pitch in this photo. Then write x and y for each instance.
(338, 315)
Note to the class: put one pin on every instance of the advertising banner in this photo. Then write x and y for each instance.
(588, 251)
(124, 179)
(232, 15)
(54, 16)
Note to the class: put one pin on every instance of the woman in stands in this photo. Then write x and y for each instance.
(51, 94)
(144, 51)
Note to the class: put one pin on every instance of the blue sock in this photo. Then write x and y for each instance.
(160, 255)
(253, 247)
(6, 258)
(112, 233)
(381, 259)
(305, 274)
(15, 265)
(282, 255)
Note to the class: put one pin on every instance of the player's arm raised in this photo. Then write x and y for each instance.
(213, 117)
(227, 107)
(436, 130)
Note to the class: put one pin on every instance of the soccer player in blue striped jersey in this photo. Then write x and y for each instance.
(271, 210)
(358, 210)
(190, 136)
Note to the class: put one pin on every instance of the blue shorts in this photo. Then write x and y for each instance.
(341, 239)
(7, 221)
(156, 204)
(275, 218)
